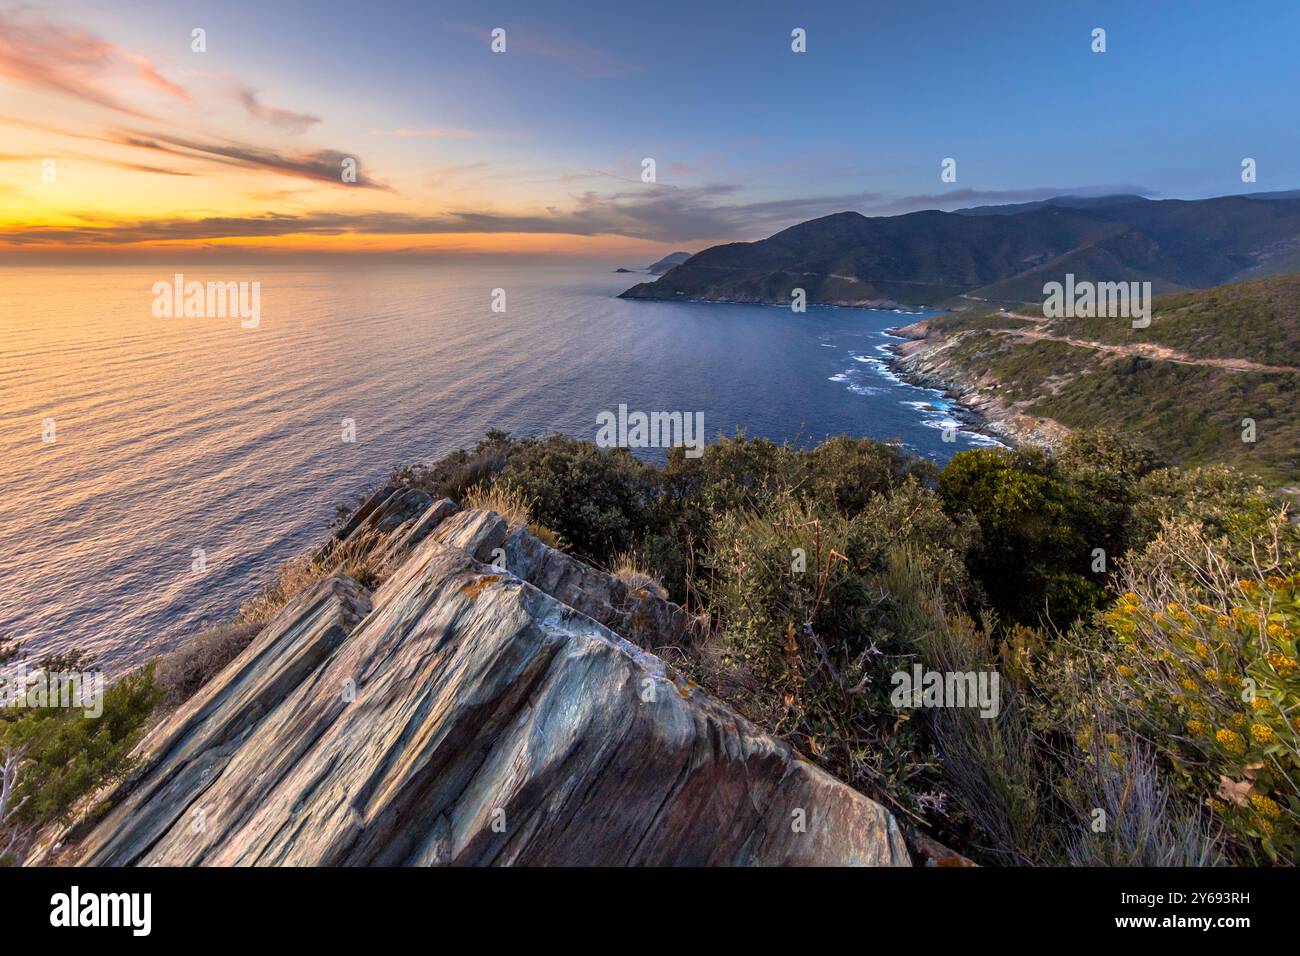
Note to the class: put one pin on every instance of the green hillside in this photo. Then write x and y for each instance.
(1257, 320)
(1190, 414)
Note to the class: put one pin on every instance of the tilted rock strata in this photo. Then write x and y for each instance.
(470, 717)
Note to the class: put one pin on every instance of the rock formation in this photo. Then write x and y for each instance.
(492, 702)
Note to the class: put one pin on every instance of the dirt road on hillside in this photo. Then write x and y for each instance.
(1147, 350)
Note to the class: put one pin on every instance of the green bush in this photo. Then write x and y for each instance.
(800, 603)
(1038, 533)
(58, 755)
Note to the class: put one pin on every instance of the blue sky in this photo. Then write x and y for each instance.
(747, 135)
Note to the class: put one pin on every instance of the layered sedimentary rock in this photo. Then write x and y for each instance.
(463, 715)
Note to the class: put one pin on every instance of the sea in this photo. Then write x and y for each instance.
(155, 471)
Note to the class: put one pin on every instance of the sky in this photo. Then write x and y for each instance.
(120, 139)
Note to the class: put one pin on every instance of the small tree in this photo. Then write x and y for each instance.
(13, 834)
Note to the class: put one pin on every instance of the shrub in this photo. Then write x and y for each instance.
(847, 473)
(51, 757)
(799, 600)
(455, 474)
(1208, 668)
(1221, 500)
(595, 499)
(1033, 558)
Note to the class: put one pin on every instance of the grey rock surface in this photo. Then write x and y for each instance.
(463, 715)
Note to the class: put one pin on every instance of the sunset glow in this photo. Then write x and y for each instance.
(127, 133)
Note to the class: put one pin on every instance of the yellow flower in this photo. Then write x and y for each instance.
(1266, 805)
(1230, 741)
(1211, 674)
(1232, 680)
(1202, 609)
(1238, 720)
(1248, 587)
(1196, 728)
(1266, 826)
(1188, 684)
(1125, 670)
(1262, 734)
(1259, 703)
(1281, 664)
(1275, 630)
(1223, 620)
(1202, 650)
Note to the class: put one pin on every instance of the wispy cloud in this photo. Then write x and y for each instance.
(320, 165)
(283, 119)
(678, 216)
(54, 59)
(149, 73)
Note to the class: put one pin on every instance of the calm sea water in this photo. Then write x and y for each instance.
(177, 434)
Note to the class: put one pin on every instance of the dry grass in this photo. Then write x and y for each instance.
(628, 569)
(181, 673)
(361, 559)
(1145, 823)
(512, 504)
(504, 499)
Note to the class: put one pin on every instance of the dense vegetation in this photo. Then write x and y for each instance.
(1142, 620)
(50, 756)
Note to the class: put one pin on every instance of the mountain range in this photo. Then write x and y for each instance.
(998, 255)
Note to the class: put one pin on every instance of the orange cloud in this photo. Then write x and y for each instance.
(155, 79)
(54, 59)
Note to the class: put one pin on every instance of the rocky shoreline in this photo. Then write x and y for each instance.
(920, 360)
